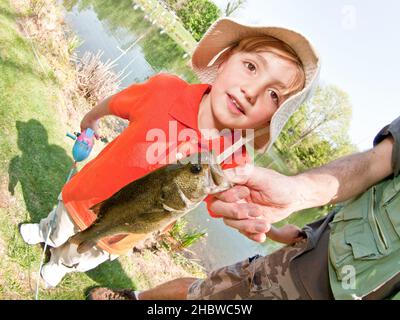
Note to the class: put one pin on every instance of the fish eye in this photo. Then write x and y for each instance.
(195, 168)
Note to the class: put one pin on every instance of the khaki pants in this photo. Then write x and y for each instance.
(63, 253)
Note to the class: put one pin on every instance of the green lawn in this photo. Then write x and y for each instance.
(34, 161)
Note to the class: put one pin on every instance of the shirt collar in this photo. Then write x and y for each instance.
(185, 108)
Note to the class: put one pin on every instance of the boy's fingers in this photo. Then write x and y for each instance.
(234, 194)
(301, 234)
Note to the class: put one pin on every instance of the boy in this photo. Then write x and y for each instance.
(259, 77)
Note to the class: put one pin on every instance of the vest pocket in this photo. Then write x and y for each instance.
(392, 209)
(361, 240)
(339, 250)
(352, 246)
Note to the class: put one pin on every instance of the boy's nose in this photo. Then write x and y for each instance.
(252, 88)
(251, 91)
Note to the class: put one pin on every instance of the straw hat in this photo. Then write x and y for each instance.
(225, 33)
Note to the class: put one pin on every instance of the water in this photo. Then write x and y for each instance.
(97, 36)
(223, 245)
(112, 27)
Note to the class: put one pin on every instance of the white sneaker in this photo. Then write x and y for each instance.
(30, 232)
(52, 274)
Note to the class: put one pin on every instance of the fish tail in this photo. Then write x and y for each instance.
(86, 245)
(76, 238)
(83, 240)
(89, 235)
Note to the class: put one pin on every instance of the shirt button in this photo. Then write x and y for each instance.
(179, 156)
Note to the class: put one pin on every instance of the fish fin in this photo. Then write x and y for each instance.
(86, 245)
(96, 208)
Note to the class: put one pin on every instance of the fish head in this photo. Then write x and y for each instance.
(201, 175)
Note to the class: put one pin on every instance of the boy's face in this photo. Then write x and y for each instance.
(249, 89)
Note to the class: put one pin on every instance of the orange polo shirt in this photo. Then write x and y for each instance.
(159, 109)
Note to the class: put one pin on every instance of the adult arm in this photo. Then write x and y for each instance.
(270, 196)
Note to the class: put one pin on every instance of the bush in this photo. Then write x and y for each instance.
(198, 15)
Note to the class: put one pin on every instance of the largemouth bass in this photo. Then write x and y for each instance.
(156, 200)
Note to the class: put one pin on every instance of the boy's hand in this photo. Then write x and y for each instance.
(287, 234)
(87, 122)
(90, 120)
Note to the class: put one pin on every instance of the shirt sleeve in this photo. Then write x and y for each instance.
(246, 158)
(128, 103)
(124, 103)
(392, 129)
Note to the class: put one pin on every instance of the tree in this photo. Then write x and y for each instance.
(318, 132)
(198, 15)
(233, 6)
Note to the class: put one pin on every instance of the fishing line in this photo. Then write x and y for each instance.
(51, 226)
(238, 144)
(83, 145)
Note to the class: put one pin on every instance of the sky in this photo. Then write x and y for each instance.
(359, 45)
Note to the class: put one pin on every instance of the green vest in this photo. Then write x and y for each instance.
(364, 243)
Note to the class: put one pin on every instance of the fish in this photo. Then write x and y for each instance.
(156, 200)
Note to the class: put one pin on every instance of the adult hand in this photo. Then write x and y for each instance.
(259, 198)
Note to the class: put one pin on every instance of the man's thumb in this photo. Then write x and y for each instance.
(240, 174)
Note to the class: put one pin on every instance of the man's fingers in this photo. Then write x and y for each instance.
(248, 225)
(235, 210)
(229, 210)
(240, 174)
(234, 194)
(257, 237)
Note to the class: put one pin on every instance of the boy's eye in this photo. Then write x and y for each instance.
(250, 66)
(274, 96)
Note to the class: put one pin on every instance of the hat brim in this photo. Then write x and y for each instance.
(226, 32)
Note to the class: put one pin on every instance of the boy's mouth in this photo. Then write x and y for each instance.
(234, 105)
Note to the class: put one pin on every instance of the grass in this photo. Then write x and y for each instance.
(35, 159)
(179, 237)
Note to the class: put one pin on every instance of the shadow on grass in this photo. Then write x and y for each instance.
(42, 170)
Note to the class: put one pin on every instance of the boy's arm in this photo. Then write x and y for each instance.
(90, 120)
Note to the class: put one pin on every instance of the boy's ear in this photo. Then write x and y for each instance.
(221, 66)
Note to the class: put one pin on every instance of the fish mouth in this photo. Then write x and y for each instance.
(217, 180)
